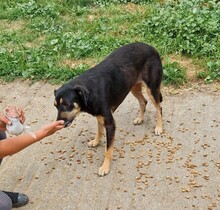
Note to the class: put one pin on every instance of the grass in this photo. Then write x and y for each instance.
(58, 40)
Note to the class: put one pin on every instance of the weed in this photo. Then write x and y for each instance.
(191, 27)
(173, 74)
(212, 73)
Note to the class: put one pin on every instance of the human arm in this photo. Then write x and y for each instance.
(15, 144)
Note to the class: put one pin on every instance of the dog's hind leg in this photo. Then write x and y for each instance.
(110, 135)
(95, 142)
(156, 97)
(137, 92)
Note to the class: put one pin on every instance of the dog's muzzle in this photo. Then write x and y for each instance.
(67, 122)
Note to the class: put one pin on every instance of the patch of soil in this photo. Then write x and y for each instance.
(187, 63)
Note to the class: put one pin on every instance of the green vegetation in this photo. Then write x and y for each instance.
(174, 74)
(59, 39)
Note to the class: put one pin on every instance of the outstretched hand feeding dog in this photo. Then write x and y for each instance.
(101, 89)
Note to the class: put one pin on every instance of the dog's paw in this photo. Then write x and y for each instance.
(93, 143)
(158, 131)
(138, 121)
(103, 170)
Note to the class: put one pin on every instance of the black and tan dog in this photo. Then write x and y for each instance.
(101, 89)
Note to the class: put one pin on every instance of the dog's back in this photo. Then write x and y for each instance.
(137, 61)
(121, 70)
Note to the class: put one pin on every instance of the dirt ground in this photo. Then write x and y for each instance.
(178, 170)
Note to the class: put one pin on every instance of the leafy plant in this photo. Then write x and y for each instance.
(212, 73)
(32, 9)
(107, 2)
(173, 74)
(186, 26)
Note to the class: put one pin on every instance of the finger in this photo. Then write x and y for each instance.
(59, 127)
(19, 110)
(60, 122)
(21, 114)
(5, 120)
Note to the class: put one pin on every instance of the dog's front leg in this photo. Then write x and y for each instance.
(95, 142)
(110, 135)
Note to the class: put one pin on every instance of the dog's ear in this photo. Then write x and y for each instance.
(82, 92)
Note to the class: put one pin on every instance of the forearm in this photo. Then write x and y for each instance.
(15, 144)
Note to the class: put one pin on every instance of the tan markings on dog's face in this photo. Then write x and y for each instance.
(71, 114)
(61, 100)
(76, 105)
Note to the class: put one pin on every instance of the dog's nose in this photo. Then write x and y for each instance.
(66, 124)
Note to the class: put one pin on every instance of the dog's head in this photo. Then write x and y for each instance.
(69, 102)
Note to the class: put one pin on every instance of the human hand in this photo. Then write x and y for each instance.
(14, 112)
(11, 112)
(3, 122)
(21, 114)
(49, 129)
